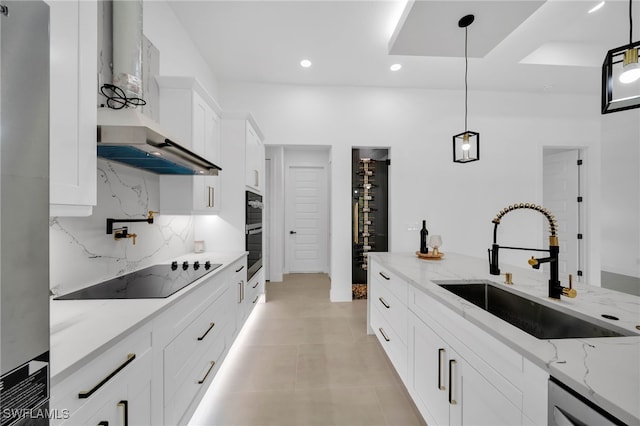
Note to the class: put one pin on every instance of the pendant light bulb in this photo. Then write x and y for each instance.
(465, 142)
(631, 68)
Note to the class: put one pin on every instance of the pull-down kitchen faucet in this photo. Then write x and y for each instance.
(555, 287)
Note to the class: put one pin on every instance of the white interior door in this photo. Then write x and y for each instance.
(561, 189)
(306, 219)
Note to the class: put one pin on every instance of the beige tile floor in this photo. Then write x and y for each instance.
(302, 360)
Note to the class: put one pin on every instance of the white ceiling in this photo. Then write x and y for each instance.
(524, 45)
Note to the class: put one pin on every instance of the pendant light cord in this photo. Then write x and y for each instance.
(466, 72)
(630, 24)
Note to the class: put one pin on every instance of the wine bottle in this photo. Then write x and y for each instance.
(423, 238)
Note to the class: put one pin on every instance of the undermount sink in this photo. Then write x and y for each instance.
(530, 316)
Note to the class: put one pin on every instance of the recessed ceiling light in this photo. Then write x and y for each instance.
(305, 63)
(596, 7)
(395, 67)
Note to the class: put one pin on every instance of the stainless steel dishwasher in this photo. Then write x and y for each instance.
(567, 408)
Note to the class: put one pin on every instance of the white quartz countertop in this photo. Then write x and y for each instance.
(81, 329)
(605, 370)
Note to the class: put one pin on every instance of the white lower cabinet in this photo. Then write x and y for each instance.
(455, 372)
(158, 373)
(448, 390)
(112, 389)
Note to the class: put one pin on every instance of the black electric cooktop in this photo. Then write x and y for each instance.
(154, 282)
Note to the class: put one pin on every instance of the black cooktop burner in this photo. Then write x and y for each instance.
(154, 282)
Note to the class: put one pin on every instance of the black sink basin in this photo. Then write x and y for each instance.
(530, 316)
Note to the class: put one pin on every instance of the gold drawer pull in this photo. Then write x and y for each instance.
(87, 394)
(385, 276)
(211, 325)
(441, 368)
(208, 371)
(452, 363)
(240, 268)
(386, 305)
(384, 335)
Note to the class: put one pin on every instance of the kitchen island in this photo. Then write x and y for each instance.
(604, 370)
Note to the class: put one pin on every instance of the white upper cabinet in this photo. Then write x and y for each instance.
(73, 111)
(191, 116)
(254, 161)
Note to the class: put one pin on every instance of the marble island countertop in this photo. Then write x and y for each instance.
(605, 370)
(80, 329)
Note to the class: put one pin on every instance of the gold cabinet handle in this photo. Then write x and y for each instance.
(208, 371)
(385, 276)
(441, 353)
(386, 305)
(211, 325)
(125, 411)
(452, 364)
(240, 268)
(212, 199)
(256, 299)
(384, 334)
(87, 394)
(241, 291)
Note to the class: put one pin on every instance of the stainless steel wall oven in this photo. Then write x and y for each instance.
(253, 232)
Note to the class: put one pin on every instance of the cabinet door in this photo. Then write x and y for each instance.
(428, 369)
(73, 110)
(252, 160)
(478, 401)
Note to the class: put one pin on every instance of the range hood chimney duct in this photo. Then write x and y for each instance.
(127, 46)
(125, 134)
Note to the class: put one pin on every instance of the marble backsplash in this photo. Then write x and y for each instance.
(81, 253)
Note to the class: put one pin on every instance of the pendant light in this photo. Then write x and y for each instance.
(621, 75)
(466, 145)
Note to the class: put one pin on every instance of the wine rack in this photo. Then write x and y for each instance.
(364, 208)
(369, 210)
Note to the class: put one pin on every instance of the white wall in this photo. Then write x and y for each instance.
(275, 204)
(621, 193)
(178, 54)
(459, 201)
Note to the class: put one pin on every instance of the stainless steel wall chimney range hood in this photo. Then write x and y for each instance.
(125, 134)
(128, 136)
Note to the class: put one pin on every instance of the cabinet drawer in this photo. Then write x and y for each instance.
(391, 309)
(132, 388)
(390, 281)
(195, 379)
(395, 349)
(183, 351)
(193, 304)
(94, 379)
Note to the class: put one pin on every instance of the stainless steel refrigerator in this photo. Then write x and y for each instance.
(24, 211)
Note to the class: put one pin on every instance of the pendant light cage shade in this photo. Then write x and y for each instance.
(466, 147)
(616, 94)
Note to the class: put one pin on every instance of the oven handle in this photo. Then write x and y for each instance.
(254, 231)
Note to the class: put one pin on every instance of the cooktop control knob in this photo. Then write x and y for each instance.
(196, 265)
(185, 265)
(174, 265)
(207, 265)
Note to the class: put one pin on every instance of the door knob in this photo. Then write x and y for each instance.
(292, 232)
